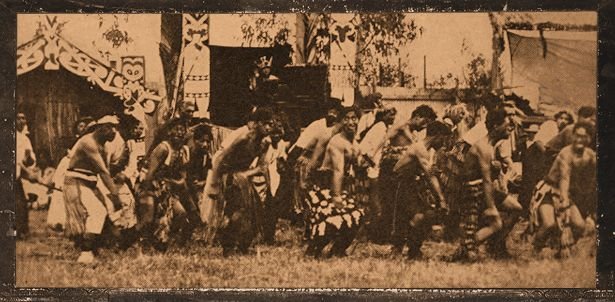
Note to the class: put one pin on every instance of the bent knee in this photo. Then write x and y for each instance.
(497, 224)
(548, 224)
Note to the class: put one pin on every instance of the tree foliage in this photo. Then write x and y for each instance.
(381, 37)
(264, 30)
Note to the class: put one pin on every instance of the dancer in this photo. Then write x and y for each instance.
(567, 195)
(230, 204)
(334, 214)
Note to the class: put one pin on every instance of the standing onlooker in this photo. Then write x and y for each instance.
(200, 159)
(565, 137)
(24, 161)
(373, 104)
(278, 175)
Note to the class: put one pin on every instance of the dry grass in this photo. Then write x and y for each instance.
(47, 260)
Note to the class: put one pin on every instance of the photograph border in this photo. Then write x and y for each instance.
(605, 266)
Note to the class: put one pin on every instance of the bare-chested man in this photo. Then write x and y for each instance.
(400, 137)
(164, 200)
(314, 140)
(478, 199)
(85, 209)
(335, 215)
(424, 192)
(230, 201)
(568, 191)
(404, 134)
(306, 154)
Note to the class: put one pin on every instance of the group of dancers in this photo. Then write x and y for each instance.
(353, 173)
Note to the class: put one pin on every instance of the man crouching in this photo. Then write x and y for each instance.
(230, 205)
(85, 209)
(479, 207)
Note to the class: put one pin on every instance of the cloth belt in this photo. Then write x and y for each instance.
(82, 174)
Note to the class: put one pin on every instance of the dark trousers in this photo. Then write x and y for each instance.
(383, 227)
(404, 199)
(536, 165)
(21, 211)
(278, 206)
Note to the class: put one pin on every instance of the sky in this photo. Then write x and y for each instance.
(440, 41)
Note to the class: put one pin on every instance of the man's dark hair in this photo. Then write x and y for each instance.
(85, 119)
(261, 114)
(564, 112)
(438, 128)
(172, 123)
(379, 117)
(127, 125)
(335, 104)
(370, 101)
(587, 111)
(201, 131)
(585, 125)
(495, 117)
(424, 111)
(348, 109)
(380, 114)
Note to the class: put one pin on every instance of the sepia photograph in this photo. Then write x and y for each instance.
(306, 150)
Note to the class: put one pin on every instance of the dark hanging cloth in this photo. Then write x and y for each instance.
(170, 47)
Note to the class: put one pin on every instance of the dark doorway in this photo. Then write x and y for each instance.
(53, 100)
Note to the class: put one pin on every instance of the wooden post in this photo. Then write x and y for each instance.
(425, 72)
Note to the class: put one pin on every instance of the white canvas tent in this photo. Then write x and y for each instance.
(552, 69)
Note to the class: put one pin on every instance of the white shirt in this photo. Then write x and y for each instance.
(374, 140)
(22, 145)
(271, 157)
(115, 149)
(365, 121)
(547, 131)
(308, 138)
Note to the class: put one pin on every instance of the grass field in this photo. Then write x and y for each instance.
(48, 260)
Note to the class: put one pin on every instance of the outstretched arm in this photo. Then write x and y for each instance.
(91, 151)
(483, 160)
(564, 164)
(319, 150)
(219, 161)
